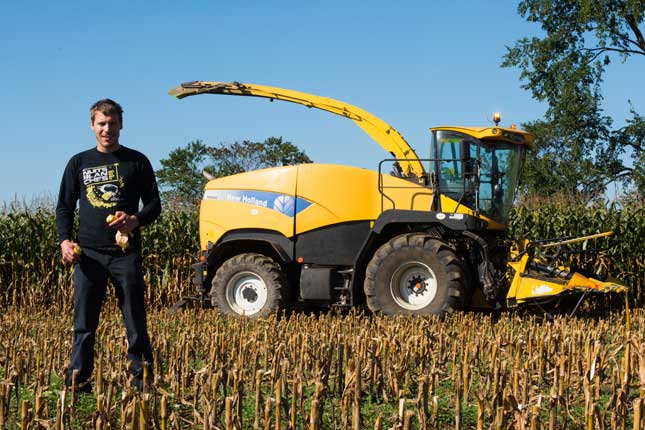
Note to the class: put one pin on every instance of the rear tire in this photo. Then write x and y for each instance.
(248, 285)
(415, 274)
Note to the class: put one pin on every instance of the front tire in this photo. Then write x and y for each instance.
(248, 285)
(415, 274)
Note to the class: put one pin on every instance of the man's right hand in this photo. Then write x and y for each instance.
(70, 251)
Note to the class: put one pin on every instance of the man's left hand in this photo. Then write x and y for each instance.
(124, 223)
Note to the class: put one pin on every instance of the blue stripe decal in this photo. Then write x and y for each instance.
(283, 203)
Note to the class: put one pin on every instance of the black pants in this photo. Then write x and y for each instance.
(91, 274)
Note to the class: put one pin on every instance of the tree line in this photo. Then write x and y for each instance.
(184, 173)
(580, 147)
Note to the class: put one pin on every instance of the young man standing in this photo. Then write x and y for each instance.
(109, 179)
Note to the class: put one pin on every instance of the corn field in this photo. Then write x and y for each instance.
(322, 371)
(622, 256)
(31, 272)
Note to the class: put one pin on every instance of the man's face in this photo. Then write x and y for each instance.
(107, 129)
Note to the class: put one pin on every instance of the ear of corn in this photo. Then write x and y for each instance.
(121, 240)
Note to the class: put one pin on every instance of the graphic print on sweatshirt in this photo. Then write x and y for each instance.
(102, 185)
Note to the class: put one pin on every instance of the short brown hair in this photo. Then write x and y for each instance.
(107, 107)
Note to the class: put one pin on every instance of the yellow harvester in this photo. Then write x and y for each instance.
(426, 238)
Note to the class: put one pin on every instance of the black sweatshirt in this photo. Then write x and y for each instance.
(105, 183)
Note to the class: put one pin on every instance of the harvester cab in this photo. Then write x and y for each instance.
(478, 168)
(427, 238)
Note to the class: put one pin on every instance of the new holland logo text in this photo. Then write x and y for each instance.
(283, 203)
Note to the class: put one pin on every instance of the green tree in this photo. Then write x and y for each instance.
(181, 176)
(578, 149)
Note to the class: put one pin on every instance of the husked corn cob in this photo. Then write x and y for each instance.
(121, 239)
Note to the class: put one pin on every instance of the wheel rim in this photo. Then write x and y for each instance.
(413, 285)
(246, 293)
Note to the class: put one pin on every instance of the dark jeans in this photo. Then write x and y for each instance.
(91, 274)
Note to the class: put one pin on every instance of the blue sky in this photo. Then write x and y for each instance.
(415, 64)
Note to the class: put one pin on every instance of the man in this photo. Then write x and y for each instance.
(109, 179)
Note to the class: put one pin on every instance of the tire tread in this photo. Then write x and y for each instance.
(273, 276)
(442, 251)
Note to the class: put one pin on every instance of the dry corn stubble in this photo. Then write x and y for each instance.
(332, 371)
